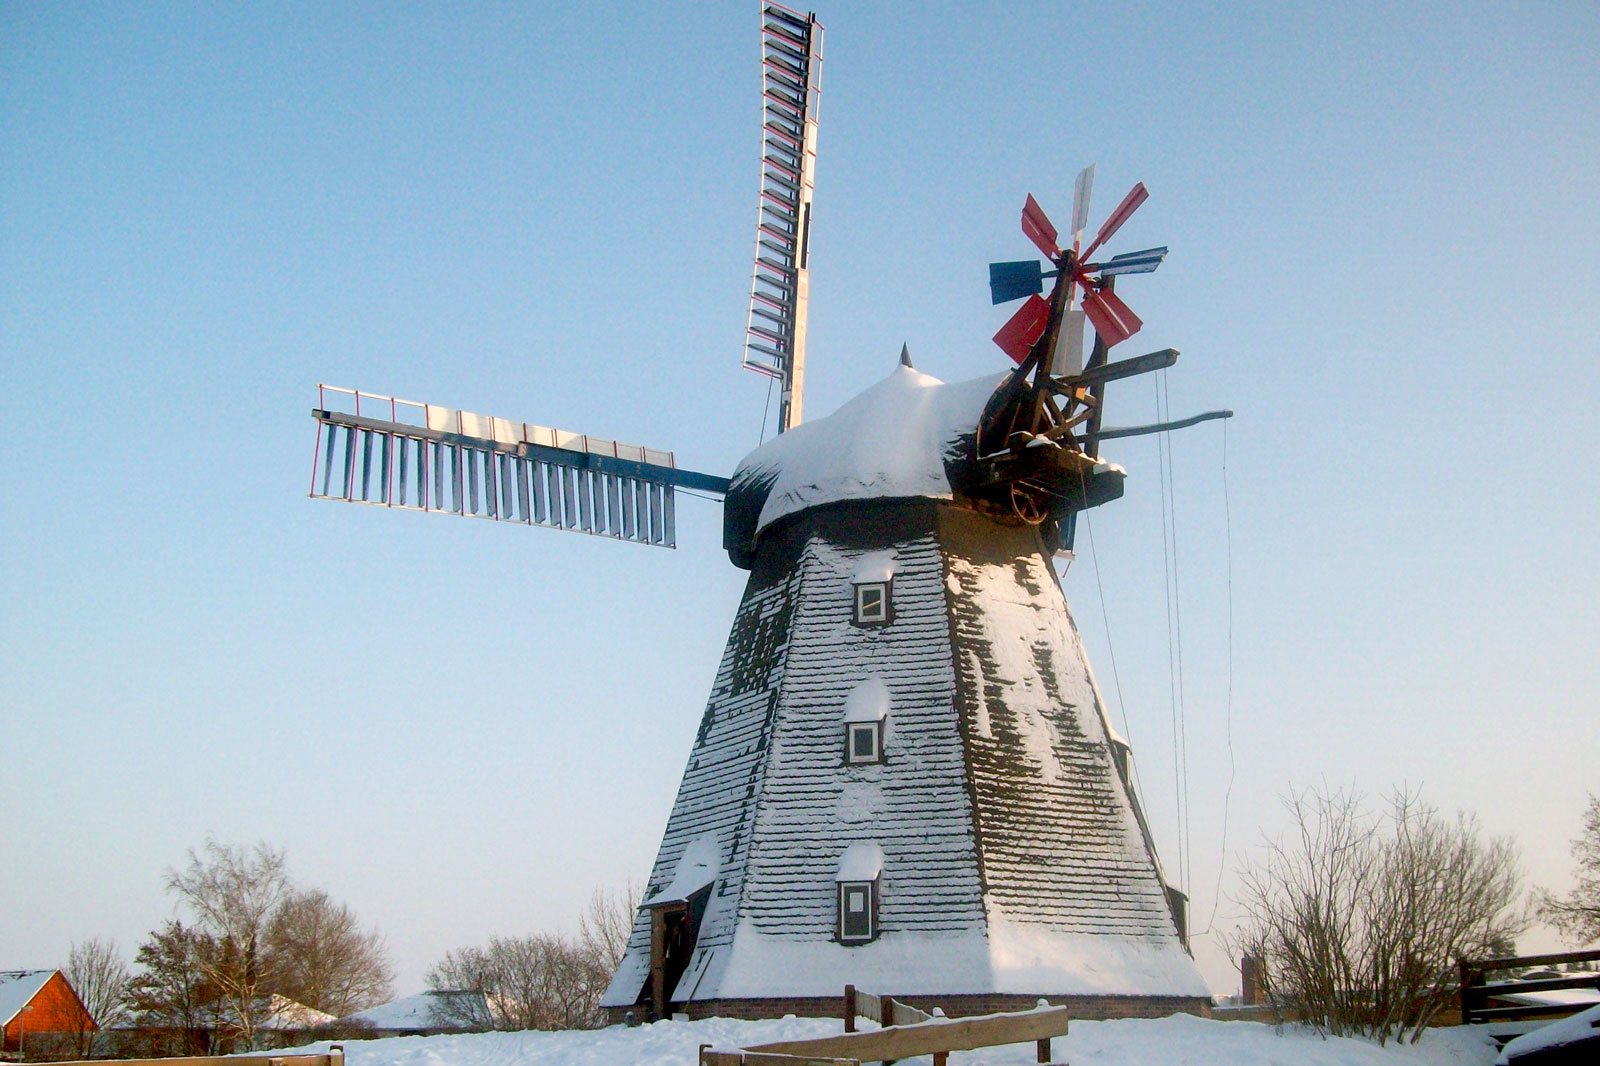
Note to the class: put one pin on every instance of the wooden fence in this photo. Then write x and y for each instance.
(1477, 991)
(334, 1057)
(907, 1032)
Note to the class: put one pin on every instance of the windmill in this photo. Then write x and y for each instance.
(905, 776)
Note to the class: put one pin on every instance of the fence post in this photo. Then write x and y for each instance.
(849, 1008)
(1465, 971)
(336, 1055)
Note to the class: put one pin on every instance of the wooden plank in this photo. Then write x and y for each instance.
(927, 1038)
(1531, 960)
(1543, 984)
(906, 1014)
(1532, 1010)
(335, 1058)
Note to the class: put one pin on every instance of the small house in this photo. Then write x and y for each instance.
(424, 1014)
(38, 1008)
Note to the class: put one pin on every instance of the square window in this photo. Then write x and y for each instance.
(857, 920)
(872, 603)
(863, 742)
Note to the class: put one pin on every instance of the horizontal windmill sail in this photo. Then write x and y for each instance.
(449, 461)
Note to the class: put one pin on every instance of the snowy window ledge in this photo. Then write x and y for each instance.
(873, 582)
(865, 710)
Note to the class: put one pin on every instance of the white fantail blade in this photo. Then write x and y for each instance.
(1067, 359)
(1080, 202)
(1130, 203)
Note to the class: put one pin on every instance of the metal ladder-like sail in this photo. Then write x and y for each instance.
(455, 462)
(775, 334)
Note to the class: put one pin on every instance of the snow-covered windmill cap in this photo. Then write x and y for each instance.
(894, 440)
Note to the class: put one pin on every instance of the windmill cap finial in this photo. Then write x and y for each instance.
(905, 354)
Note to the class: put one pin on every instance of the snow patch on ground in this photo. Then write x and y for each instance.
(1180, 1040)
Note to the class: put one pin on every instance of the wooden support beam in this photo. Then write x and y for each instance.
(1110, 432)
(1122, 368)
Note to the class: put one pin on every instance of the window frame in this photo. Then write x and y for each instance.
(885, 613)
(850, 756)
(844, 889)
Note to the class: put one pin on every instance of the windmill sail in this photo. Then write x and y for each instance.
(449, 461)
(775, 333)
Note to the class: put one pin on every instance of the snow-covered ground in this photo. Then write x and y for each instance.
(1180, 1040)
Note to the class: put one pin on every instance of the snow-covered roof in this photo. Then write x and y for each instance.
(425, 1010)
(696, 870)
(285, 1013)
(17, 988)
(893, 440)
(868, 701)
(861, 861)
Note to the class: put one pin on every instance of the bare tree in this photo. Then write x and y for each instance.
(1360, 918)
(1577, 914)
(465, 971)
(604, 929)
(541, 981)
(321, 956)
(232, 894)
(98, 975)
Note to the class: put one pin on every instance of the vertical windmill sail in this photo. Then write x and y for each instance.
(775, 334)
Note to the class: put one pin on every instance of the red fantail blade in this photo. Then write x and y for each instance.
(1023, 330)
(1037, 228)
(1130, 203)
(1112, 319)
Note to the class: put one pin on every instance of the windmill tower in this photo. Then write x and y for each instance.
(904, 777)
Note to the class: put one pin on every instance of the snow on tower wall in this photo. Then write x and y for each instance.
(1054, 819)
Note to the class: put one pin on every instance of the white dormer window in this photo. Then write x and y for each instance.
(860, 872)
(866, 742)
(865, 711)
(872, 604)
(873, 581)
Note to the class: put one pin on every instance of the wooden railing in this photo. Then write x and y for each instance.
(1476, 990)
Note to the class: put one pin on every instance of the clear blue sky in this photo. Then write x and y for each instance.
(1383, 226)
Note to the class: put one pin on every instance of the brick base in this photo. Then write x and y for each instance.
(1089, 1008)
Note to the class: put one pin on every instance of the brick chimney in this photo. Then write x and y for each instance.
(1251, 973)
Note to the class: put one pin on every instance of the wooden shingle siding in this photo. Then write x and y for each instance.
(1059, 844)
(914, 804)
(1003, 823)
